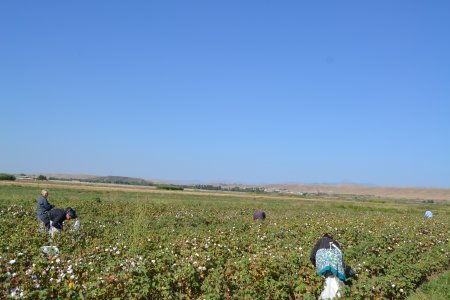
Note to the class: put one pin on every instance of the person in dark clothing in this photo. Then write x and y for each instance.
(323, 243)
(57, 216)
(328, 258)
(43, 207)
(259, 215)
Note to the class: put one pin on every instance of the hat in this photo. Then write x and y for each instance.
(71, 212)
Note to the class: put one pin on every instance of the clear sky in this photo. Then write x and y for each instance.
(228, 91)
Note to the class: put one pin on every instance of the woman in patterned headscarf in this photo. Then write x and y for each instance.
(328, 258)
(329, 261)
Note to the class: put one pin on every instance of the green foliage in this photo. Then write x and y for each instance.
(438, 288)
(111, 179)
(119, 180)
(245, 189)
(225, 188)
(4, 176)
(163, 245)
(208, 187)
(427, 201)
(41, 177)
(169, 187)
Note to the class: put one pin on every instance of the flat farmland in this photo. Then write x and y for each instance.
(138, 243)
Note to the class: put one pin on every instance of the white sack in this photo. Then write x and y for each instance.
(332, 286)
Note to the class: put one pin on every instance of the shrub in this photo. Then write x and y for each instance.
(4, 176)
(170, 187)
(41, 177)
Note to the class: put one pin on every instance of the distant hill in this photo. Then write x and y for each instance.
(68, 176)
(413, 193)
(363, 190)
(119, 180)
(100, 179)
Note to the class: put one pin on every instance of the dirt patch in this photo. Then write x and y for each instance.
(442, 194)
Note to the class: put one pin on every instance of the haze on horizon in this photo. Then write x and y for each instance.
(233, 92)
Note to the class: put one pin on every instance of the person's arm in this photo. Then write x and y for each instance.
(337, 244)
(312, 257)
(44, 204)
(340, 249)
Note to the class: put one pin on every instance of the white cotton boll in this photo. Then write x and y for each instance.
(16, 293)
(50, 250)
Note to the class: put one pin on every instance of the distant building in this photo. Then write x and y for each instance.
(24, 177)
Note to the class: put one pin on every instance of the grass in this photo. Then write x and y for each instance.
(436, 289)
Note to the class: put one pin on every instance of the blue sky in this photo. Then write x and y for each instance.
(228, 91)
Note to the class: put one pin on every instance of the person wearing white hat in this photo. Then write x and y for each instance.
(43, 207)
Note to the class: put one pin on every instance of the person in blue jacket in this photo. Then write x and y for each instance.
(43, 207)
(428, 214)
